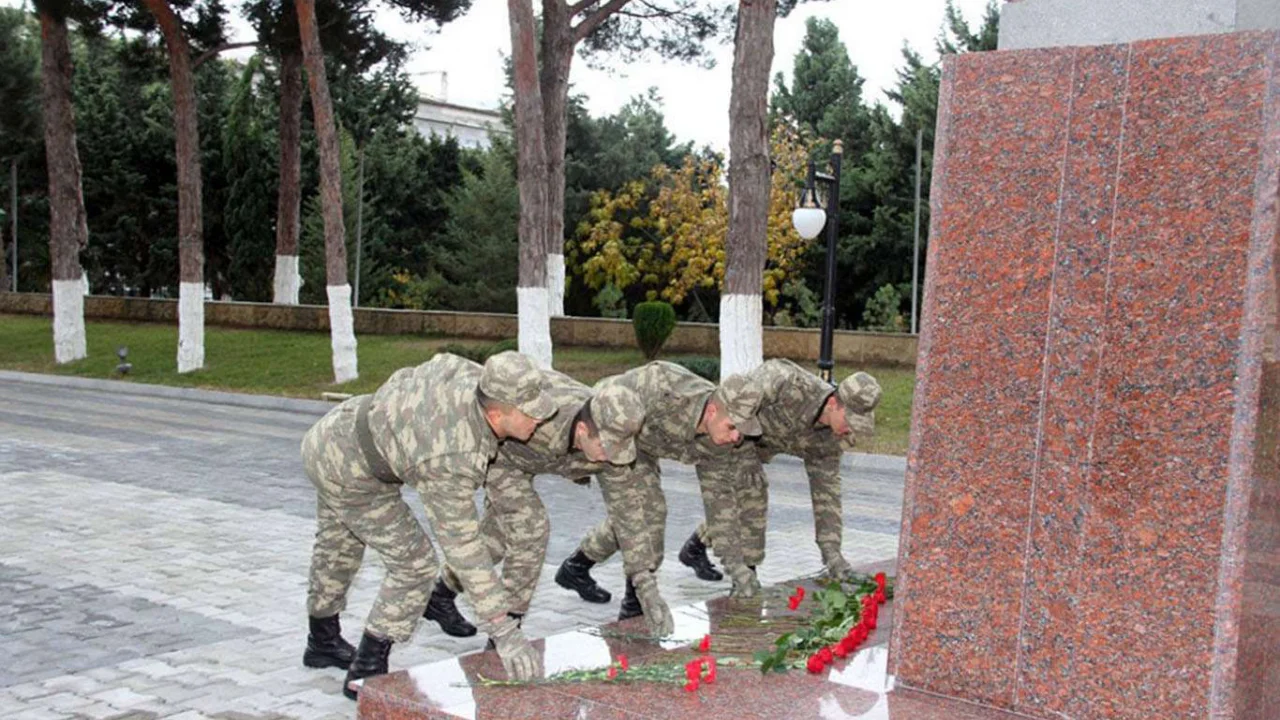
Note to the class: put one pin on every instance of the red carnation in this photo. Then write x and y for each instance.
(622, 660)
(815, 664)
(793, 602)
(880, 597)
(693, 670)
(613, 672)
(881, 580)
(691, 685)
(825, 655)
(800, 592)
(841, 649)
(710, 664)
(705, 645)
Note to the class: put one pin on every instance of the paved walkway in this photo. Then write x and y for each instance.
(153, 556)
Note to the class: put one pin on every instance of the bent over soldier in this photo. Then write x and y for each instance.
(434, 427)
(591, 431)
(688, 419)
(804, 416)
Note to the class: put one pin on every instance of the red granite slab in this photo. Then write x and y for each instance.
(857, 687)
(1090, 520)
(1050, 627)
(987, 302)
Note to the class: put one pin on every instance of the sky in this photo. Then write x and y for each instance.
(695, 101)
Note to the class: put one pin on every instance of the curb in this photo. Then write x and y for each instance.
(866, 461)
(212, 397)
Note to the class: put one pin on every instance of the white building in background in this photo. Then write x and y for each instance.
(473, 127)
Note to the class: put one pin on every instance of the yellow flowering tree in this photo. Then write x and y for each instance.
(666, 231)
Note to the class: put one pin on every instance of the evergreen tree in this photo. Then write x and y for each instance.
(248, 165)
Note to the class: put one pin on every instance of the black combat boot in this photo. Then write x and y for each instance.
(442, 609)
(370, 660)
(630, 603)
(518, 617)
(694, 555)
(575, 574)
(325, 646)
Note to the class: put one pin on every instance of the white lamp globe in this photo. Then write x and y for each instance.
(809, 221)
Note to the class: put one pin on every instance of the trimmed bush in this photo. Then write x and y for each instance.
(707, 367)
(653, 322)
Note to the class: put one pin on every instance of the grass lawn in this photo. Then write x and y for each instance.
(297, 364)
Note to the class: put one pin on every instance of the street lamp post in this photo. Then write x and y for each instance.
(809, 219)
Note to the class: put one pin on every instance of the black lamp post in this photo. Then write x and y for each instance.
(809, 219)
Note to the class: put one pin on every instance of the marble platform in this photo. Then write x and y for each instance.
(856, 687)
(1091, 524)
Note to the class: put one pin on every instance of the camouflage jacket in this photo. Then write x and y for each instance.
(793, 399)
(427, 422)
(674, 398)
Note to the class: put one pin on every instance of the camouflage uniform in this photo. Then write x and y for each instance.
(673, 399)
(515, 525)
(425, 428)
(793, 400)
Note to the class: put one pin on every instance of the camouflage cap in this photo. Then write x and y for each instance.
(618, 413)
(741, 396)
(513, 379)
(859, 393)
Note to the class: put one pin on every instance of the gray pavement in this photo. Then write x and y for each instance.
(154, 551)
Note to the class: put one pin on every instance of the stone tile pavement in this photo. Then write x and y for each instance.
(154, 551)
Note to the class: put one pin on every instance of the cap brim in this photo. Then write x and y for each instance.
(750, 426)
(539, 408)
(619, 452)
(863, 424)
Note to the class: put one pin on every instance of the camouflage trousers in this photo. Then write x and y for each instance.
(515, 529)
(750, 487)
(355, 510)
(644, 487)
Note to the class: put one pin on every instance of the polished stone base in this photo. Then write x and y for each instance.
(857, 687)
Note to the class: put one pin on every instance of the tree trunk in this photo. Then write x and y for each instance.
(68, 228)
(341, 324)
(289, 196)
(531, 167)
(557, 56)
(190, 238)
(4, 262)
(741, 334)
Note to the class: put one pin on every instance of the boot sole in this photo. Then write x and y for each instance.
(451, 632)
(316, 660)
(605, 598)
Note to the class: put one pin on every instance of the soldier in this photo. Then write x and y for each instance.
(803, 416)
(589, 432)
(689, 419)
(435, 427)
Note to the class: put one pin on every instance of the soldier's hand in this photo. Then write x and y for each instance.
(519, 658)
(837, 566)
(745, 582)
(656, 613)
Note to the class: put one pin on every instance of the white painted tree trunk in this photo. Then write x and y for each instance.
(555, 284)
(287, 280)
(190, 326)
(741, 334)
(535, 324)
(342, 334)
(68, 321)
